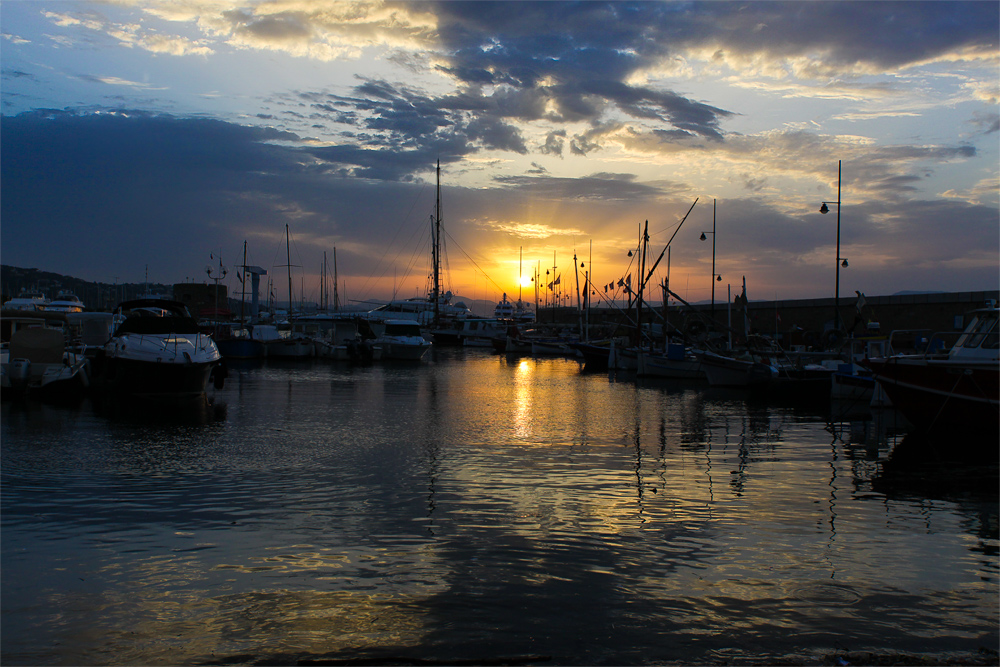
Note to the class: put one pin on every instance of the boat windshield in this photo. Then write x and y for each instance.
(982, 333)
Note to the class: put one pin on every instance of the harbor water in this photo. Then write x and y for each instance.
(480, 508)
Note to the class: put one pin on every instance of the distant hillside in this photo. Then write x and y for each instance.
(95, 296)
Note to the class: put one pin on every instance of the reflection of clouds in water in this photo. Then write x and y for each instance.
(474, 499)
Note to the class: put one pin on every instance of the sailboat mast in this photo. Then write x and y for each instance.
(336, 299)
(437, 249)
(322, 285)
(288, 259)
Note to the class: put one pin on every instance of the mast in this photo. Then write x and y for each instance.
(322, 286)
(436, 252)
(579, 306)
(642, 272)
(288, 259)
(553, 288)
(336, 299)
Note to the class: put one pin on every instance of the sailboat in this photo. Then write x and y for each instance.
(436, 312)
(287, 344)
(234, 341)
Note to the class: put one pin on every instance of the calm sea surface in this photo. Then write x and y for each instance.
(481, 507)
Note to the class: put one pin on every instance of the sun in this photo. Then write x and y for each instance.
(525, 281)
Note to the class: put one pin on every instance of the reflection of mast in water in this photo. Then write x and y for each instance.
(432, 450)
(833, 506)
(743, 453)
(638, 469)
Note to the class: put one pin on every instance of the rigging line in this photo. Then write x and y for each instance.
(474, 261)
(403, 222)
(385, 266)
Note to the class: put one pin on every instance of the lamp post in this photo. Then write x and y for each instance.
(217, 276)
(715, 276)
(841, 261)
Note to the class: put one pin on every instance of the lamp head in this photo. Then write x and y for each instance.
(844, 263)
(629, 253)
(703, 237)
(719, 278)
(824, 208)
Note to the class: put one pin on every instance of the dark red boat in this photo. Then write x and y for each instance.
(957, 389)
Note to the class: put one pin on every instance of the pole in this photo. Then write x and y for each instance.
(288, 259)
(579, 306)
(336, 298)
(836, 297)
(437, 250)
(713, 260)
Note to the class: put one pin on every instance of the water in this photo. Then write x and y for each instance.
(479, 507)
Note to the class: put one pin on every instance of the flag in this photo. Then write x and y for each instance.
(558, 278)
(861, 301)
(621, 282)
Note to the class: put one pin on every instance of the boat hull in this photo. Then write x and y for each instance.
(942, 394)
(728, 372)
(396, 351)
(653, 365)
(289, 348)
(240, 348)
(157, 379)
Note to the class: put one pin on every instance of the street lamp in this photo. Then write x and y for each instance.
(715, 276)
(841, 261)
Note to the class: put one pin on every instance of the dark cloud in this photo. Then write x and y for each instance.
(884, 34)
(603, 187)
(578, 63)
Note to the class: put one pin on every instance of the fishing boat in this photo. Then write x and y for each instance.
(763, 364)
(158, 350)
(676, 362)
(951, 390)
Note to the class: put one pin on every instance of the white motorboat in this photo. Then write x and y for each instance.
(421, 310)
(65, 302)
(339, 339)
(518, 312)
(36, 362)
(159, 351)
(399, 340)
(27, 300)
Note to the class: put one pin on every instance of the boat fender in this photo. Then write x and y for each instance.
(18, 373)
(219, 375)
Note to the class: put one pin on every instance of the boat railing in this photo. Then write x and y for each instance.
(922, 342)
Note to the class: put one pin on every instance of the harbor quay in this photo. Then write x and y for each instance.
(799, 321)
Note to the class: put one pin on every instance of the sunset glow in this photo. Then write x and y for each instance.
(212, 124)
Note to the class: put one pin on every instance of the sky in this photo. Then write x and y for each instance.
(152, 138)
